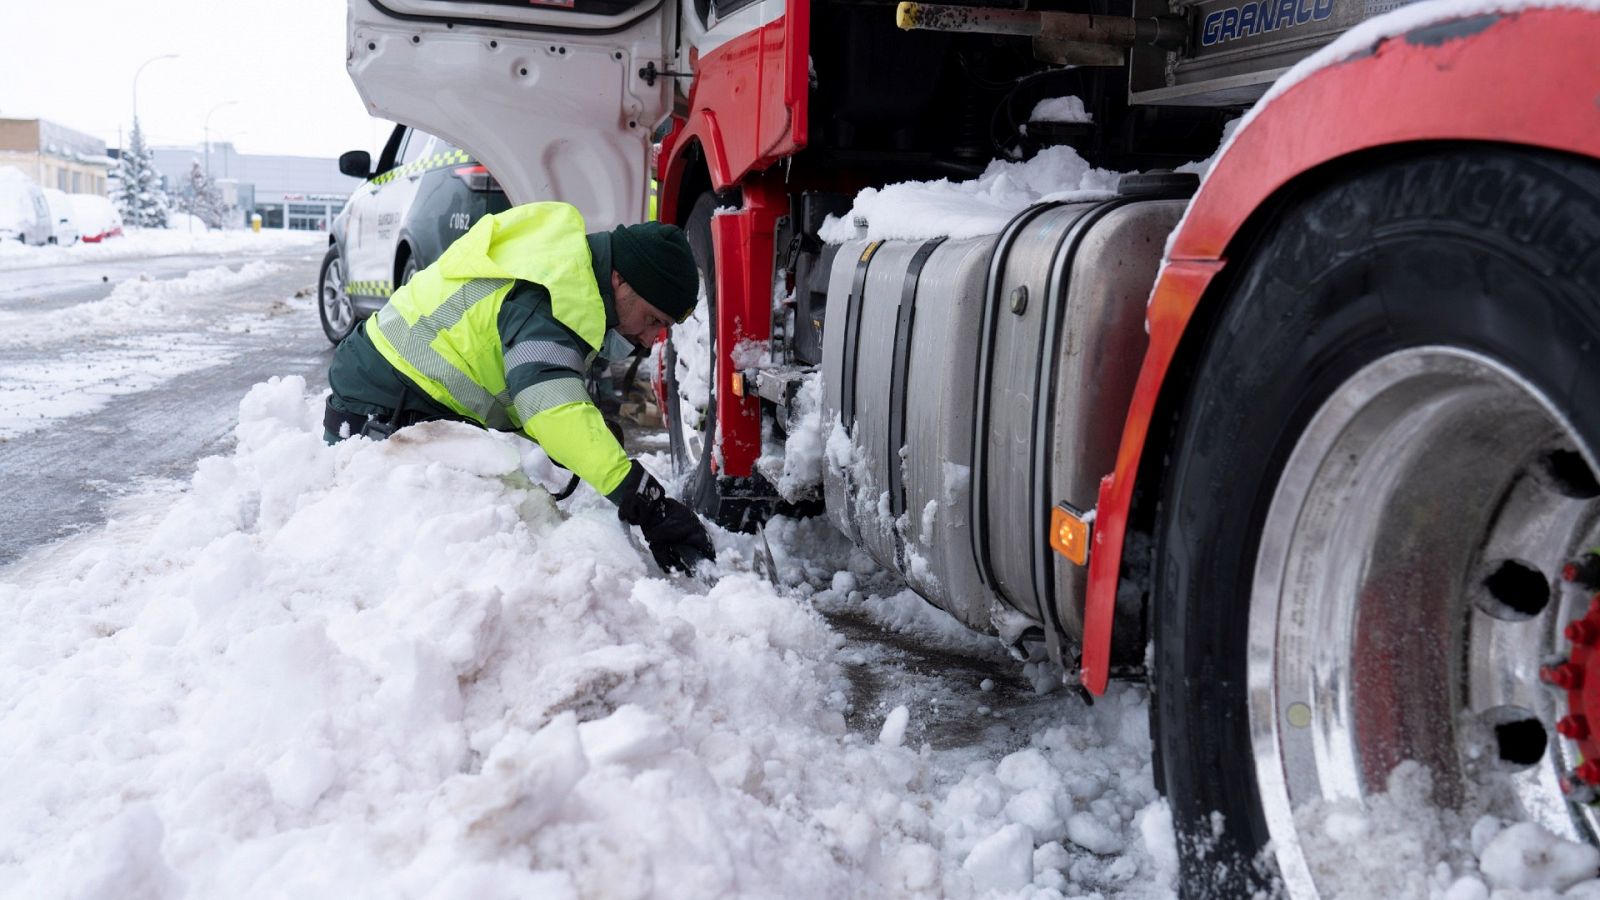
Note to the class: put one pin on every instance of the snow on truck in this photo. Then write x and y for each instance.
(1312, 449)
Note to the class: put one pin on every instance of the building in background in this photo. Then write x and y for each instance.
(301, 193)
(55, 156)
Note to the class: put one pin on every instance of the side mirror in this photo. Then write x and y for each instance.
(356, 164)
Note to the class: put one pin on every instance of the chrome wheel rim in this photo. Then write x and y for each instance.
(1383, 624)
(336, 306)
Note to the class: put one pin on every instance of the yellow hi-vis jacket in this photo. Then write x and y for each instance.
(441, 331)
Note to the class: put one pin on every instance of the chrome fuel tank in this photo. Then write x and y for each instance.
(970, 386)
(900, 448)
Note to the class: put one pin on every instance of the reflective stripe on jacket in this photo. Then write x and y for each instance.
(441, 331)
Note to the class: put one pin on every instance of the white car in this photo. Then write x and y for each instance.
(422, 193)
(24, 214)
(63, 226)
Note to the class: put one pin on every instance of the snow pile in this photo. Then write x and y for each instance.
(179, 221)
(795, 466)
(397, 669)
(922, 210)
(143, 242)
(1403, 841)
(1061, 109)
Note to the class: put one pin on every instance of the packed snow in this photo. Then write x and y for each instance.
(1061, 109)
(137, 243)
(794, 465)
(922, 210)
(398, 669)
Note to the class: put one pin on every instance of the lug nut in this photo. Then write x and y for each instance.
(1581, 632)
(1575, 727)
(1583, 571)
(1588, 773)
(1566, 676)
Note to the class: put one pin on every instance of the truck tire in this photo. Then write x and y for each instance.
(691, 428)
(1387, 453)
(333, 302)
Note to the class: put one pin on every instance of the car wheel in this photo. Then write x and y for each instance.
(690, 363)
(337, 313)
(408, 271)
(1386, 458)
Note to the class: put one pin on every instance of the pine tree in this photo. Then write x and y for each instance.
(140, 196)
(202, 198)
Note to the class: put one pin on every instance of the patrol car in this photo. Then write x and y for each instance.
(422, 194)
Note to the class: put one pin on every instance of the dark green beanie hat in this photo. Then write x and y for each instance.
(654, 259)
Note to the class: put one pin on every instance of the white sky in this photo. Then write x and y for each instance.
(73, 62)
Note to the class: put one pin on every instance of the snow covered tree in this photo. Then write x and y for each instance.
(202, 198)
(139, 195)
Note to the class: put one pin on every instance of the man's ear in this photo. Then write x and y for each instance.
(616, 280)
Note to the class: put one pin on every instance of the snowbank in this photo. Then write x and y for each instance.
(396, 669)
(142, 242)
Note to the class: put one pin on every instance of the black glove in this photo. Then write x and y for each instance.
(676, 537)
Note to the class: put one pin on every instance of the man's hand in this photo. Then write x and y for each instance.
(676, 537)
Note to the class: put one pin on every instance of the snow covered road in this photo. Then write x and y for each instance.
(116, 372)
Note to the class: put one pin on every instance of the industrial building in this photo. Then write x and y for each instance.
(54, 155)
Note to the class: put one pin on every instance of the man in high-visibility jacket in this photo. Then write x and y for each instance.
(499, 332)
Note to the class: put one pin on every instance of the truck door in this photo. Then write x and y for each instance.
(547, 94)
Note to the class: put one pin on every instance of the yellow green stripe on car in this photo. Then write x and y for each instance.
(425, 164)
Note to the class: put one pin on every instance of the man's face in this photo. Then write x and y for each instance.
(637, 320)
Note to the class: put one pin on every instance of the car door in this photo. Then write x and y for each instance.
(376, 223)
(546, 93)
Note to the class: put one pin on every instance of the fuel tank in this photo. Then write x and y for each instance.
(970, 386)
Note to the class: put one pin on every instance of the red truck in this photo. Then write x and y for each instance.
(1311, 450)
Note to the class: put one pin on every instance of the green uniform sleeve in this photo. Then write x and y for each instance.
(575, 435)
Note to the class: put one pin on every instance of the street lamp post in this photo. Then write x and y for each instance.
(136, 73)
(208, 131)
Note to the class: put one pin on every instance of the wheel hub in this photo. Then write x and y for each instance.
(1404, 607)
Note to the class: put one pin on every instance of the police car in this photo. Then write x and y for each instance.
(422, 194)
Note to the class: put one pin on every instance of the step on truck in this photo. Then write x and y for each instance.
(1311, 450)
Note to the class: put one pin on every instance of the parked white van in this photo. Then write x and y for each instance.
(24, 214)
(63, 226)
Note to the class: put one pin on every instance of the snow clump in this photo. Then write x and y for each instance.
(922, 210)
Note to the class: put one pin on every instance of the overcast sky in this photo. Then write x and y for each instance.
(73, 62)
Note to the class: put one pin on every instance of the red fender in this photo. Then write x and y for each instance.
(748, 109)
(1525, 77)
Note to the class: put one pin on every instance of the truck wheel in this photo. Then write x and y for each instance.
(690, 363)
(334, 307)
(1387, 455)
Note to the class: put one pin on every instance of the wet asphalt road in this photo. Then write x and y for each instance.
(63, 478)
